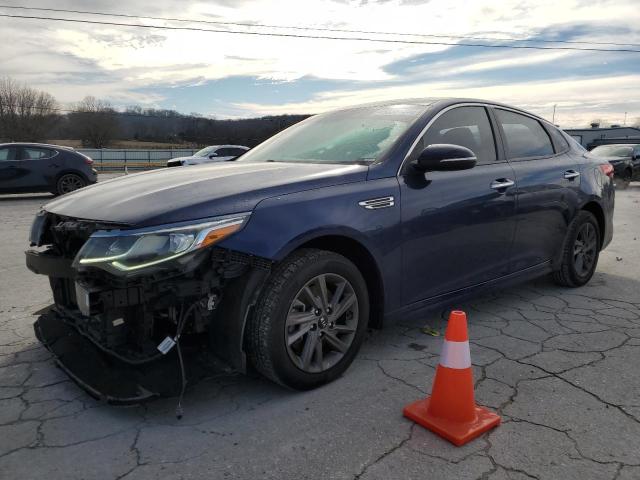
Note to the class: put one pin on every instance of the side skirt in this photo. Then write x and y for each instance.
(423, 307)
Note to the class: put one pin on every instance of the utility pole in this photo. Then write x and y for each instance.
(553, 119)
(625, 119)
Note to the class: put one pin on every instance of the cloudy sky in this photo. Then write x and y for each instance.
(232, 75)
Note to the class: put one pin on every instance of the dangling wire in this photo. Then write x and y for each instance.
(183, 376)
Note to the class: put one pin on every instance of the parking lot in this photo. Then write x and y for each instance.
(559, 365)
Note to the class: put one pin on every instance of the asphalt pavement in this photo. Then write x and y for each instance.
(560, 366)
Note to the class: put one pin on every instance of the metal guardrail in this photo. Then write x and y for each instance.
(109, 159)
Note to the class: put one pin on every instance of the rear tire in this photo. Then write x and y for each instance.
(295, 336)
(622, 182)
(69, 182)
(580, 251)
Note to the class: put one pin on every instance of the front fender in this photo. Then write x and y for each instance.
(283, 223)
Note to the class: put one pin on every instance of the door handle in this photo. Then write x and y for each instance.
(571, 174)
(502, 183)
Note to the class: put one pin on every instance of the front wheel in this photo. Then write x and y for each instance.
(580, 252)
(310, 320)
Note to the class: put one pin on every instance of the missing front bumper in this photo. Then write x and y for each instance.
(109, 379)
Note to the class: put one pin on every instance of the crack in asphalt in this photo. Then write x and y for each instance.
(530, 325)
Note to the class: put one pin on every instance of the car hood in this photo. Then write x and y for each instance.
(174, 195)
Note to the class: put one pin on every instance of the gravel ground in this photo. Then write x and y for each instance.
(560, 366)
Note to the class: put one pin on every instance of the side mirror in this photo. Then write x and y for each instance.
(445, 157)
(212, 155)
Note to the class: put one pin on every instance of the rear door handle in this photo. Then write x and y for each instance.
(502, 183)
(571, 174)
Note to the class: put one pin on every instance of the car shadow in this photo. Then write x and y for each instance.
(26, 196)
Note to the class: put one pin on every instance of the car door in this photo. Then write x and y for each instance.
(10, 173)
(636, 162)
(548, 187)
(37, 167)
(457, 226)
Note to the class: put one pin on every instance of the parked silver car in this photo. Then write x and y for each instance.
(213, 153)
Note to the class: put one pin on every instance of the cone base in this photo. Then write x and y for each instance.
(457, 433)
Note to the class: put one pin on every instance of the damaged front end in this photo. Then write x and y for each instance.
(124, 298)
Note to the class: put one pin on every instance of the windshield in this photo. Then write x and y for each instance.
(346, 136)
(613, 151)
(205, 152)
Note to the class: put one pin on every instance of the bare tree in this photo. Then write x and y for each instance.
(96, 122)
(26, 114)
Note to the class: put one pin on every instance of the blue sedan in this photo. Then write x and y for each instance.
(281, 260)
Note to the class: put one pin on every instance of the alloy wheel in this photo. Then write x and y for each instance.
(585, 249)
(321, 323)
(69, 182)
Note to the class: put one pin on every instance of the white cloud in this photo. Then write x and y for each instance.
(74, 60)
(578, 100)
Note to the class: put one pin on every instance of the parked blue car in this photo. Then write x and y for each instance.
(280, 261)
(37, 167)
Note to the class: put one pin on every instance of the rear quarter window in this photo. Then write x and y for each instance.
(560, 143)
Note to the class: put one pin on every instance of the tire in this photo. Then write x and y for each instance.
(583, 236)
(69, 182)
(622, 182)
(284, 300)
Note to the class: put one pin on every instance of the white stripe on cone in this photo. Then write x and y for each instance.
(455, 355)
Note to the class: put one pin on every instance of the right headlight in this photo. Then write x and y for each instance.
(133, 250)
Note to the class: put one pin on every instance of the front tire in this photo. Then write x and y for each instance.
(580, 253)
(309, 321)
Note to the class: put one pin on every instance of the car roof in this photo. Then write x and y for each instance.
(229, 146)
(31, 144)
(618, 145)
(439, 103)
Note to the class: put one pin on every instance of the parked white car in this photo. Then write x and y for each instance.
(213, 153)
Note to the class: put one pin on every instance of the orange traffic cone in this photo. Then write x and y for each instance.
(451, 410)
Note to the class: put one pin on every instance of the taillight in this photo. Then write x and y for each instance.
(88, 160)
(607, 169)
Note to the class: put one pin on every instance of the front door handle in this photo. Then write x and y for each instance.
(571, 174)
(502, 183)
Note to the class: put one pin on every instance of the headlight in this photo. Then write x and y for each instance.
(132, 250)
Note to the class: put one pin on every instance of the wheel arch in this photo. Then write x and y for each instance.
(64, 171)
(597, 211)
(364, 260)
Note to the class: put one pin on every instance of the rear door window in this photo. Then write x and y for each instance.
(524, 137)
(465, 126)
(36, 153)
(224, 152)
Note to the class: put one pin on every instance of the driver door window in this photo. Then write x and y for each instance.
(465, 126)
(7, 153)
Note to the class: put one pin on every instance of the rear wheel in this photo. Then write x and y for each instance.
(310, 320)
(581, 251)
(622, 182)
(69, 182)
